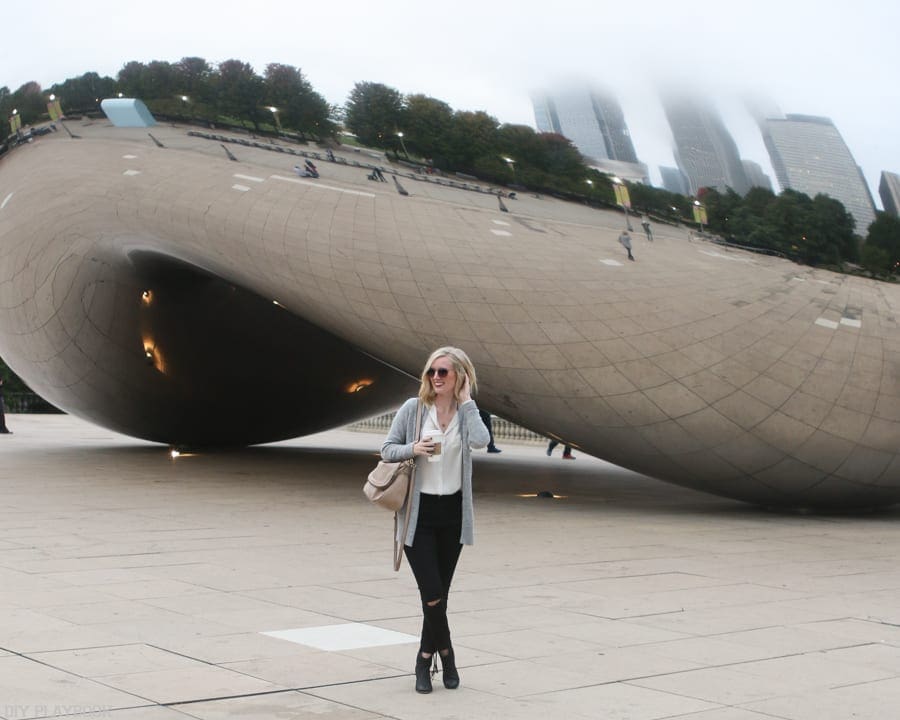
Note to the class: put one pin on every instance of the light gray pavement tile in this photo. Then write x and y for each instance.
(402, 657)
(57, 595)
(875, 656)
(213, 577)
(97, 662)
(396, 698)
(115, 611)
(29, 689)
(184, 684)
(149, 712)
(657, 583)
(875, 607)
(721, 620)
(25, 631)
(238, 611)
(869, 701)
(13, 581)
(150, 589)
(515, 617)
(790, 640)
(527, 644)
(724, 686)
(104, 576)
(617, 664)
(518, 678)
(637, 604)
(816, 670)
(284, 706)
(612, 633)
(152, 632)
(617, 701)
(857, 630)
(239, 647)
(710, 651)
(313, 669)
(729, 713)
(338, 604)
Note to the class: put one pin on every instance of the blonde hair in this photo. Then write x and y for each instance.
(461, 364)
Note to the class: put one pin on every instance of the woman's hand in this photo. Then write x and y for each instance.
(425, 447)
(464, 392)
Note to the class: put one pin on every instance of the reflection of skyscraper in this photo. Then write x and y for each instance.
(889, 189)
(755, 175)
(594, 122)
(674, 180)
(704, 150)
(810, 156)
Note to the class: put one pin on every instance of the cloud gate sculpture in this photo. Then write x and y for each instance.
(158, 287)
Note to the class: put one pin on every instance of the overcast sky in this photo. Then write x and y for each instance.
(826, 58)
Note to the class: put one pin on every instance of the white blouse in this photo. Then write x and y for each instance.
(443, 477)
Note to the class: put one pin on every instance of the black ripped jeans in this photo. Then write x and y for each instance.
(432, 559)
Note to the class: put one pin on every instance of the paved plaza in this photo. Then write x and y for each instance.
(257, 584)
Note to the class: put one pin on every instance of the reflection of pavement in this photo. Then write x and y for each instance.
(129, 580)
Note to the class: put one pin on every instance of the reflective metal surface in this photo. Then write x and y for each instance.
(733, 373)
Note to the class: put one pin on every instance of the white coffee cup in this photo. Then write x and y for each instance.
(438, 440)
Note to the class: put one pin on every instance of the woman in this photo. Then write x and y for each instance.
(441, 515)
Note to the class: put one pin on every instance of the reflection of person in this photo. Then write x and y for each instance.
(3, 429)
(567, 450)
(441, 514)
(486, 419)
(645, 223)
(625, 239)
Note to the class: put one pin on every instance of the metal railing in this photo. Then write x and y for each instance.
(27, 402)
(504, 430)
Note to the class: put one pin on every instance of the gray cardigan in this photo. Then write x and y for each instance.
(399, 446)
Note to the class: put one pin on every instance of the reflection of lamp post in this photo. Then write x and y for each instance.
(274, 111)
(512, 166)
(15, 122)
(402, 144)
(699, 214)
(621, 191)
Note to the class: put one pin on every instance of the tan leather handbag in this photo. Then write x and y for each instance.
(390, 485)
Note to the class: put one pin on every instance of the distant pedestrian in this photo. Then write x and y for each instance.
(567, 450)
(645, 223)
(3, 429)
(625, 239)
(486, 419)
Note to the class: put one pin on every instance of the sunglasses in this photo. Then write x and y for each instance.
(440, 372)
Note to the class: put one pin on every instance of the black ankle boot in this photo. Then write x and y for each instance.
(423, 674)
(451, 676)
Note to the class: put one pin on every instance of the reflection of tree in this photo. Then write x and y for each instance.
(815, 231)
(426, 124)
(239, 92)
(883, 244)
(299, 106)
(374, 113)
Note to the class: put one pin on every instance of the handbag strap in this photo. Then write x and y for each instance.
(398, 546)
